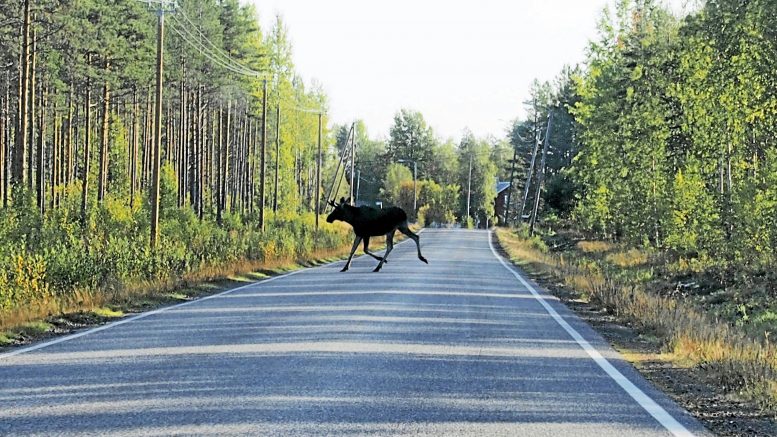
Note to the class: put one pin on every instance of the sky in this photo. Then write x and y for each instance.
(462, 64)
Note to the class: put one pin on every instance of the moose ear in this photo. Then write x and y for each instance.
(348, 201)
(331, 202)
(342, 200)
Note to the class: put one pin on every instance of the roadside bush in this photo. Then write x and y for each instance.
(58, 254)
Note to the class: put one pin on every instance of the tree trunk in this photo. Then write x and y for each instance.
(31, 122)
(277, 155)
(134, 152)
(147, 140)
(40, 162)
(102, 184)
(262, 156)
(55, 159)
(225, 160)
(19, 171)
(3, 138)
(88, 131)
(220, 173)
(70, 158)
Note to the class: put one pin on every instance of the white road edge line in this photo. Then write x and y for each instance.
(136, 317)
(44, 344)
(648, 404)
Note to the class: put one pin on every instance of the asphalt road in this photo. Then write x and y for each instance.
(461, 346)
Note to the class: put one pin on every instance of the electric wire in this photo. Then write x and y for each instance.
(192, 40)
(181, 32)
(216, 49)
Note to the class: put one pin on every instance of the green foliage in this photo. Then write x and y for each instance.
(113, 247)
(410, 138)
(677, 122)
(695, 224)
(396, 176)
(476, 155)
(438, 203)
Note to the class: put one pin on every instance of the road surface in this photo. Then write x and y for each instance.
(462, 346)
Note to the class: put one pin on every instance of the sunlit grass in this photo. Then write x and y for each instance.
(594, 246)
(142, 295)
(627, 258)
(107, 312)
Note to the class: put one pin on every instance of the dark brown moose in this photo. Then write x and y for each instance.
(371, 222)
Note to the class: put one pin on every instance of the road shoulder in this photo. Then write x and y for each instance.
(690, 387)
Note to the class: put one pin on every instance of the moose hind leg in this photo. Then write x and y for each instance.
(356, 242)
(389, 246)
(367, 249)
(405, 230)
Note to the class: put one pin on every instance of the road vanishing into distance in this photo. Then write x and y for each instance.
(462, 346)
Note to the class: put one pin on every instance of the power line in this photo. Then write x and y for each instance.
(190, 39)
(214, 54)
(308, 110)
(217, 50)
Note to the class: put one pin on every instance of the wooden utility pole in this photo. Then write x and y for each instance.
(530, 174)
(353, 166)
(506, 219)
(469, 181)
(541, 176)
(163, 6)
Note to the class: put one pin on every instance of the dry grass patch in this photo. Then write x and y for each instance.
(747, 366)
(627, 258)
(594, 246)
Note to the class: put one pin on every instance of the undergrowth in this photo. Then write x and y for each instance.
(615, 278)
(62, 262)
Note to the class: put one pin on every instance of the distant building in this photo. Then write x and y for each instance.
(501, 201)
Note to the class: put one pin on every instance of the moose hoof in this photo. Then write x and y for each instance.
(423, 259)
(377, 269)
(345, 269)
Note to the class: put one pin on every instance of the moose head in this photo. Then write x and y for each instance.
(339, 210)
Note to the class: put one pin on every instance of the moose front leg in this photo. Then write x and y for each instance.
(367, 249)
(356, 242)
(389, 246)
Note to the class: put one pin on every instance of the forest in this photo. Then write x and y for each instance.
(666, 139)
(241, 136)
(660, 188)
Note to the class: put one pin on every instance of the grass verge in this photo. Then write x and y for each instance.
(58, 315)
(744, 366)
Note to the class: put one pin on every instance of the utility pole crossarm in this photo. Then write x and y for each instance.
(161, 6)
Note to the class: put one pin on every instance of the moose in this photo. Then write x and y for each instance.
(371, 222)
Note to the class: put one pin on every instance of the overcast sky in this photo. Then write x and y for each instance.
(461, 63)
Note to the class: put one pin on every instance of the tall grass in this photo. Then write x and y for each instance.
(62, 262)
(744, 364)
